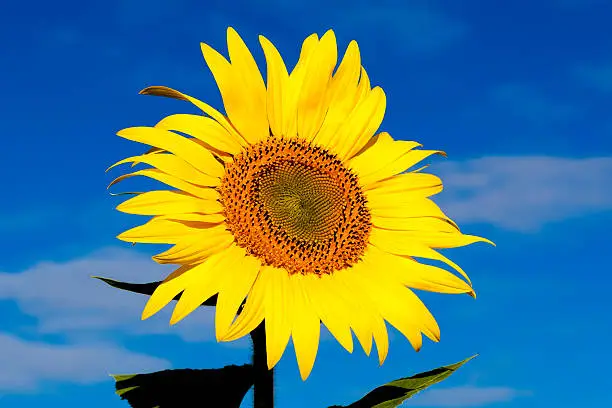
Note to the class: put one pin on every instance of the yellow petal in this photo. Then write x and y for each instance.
(331, 309)
(306, 327)
(278, 305)
(363, 88)
(245, 67)
(344, 82)
(390, 162)
(382, 151)
(204, 129)
(174, 284)
(174, 166)
(414, 224)
(247, 113)
(417, 208)
(207, 109)
(197, 217)
(396, 305)
(233, 290)
(311, 102)
(368, 309)
(296, 79)
(205, 193)
(407, 183)
(197, 247)
(184, 148)
(416, 275)
(163, 202)
(157, 231)
(253, 312)
(361, 124)
(205, 281)
(278, 82)
(436, 239)
(362, 316)
(342, 95)
(386, 240)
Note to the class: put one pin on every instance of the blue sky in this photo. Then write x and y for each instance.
(517, 93)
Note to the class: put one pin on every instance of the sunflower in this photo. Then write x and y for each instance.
(291, 209)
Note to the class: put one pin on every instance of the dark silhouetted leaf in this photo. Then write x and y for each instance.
(394, 393)
(146, 288)
(163, 91)
(219, 387)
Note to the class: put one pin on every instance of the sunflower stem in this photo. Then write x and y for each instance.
(263, 389)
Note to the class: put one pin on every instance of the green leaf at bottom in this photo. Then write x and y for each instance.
(394, 393)
(220, 387)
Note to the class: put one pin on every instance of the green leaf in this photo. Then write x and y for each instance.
(394, 393)
(219, 387)
(146, 288)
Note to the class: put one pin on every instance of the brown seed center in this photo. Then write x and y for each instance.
(295, 206)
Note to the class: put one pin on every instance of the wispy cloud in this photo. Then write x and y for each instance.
(525, 192)
(467, 396)
(598, 77)
(27, 364)
(64, 298)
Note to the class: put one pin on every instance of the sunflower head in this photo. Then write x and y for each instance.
(291, 205)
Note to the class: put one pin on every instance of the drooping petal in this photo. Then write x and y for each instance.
(417, 275)
(278, 305)
(386, 240)
(331, 309)
(306, 327)
(391, 300)
(253, 312)
(174, 284)
(197, 156)
(234, 290)
(206, 281)
(376, 325)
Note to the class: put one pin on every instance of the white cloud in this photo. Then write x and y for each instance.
(65, 299)
(467, 396)
(26, 364)
(525, 192)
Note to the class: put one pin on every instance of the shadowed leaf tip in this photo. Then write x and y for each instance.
(394, 393)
